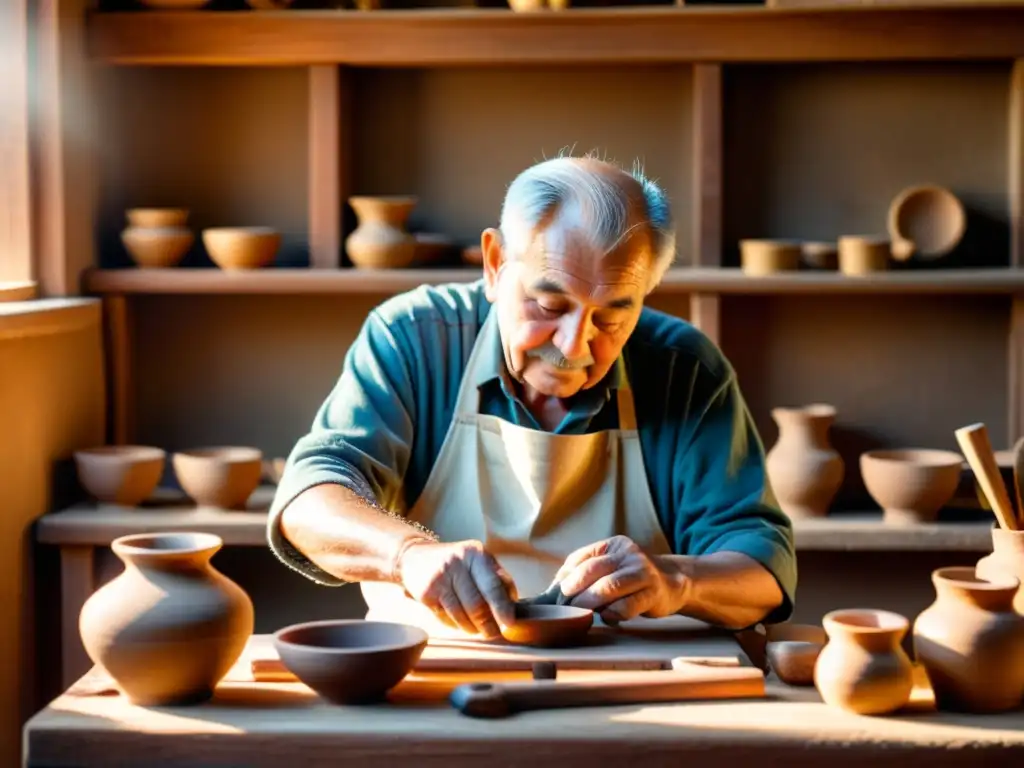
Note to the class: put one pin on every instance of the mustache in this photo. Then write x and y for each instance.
(552, 355)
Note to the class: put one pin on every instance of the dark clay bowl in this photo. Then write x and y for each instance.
(792, 651)
(350, 661)
(549, 626)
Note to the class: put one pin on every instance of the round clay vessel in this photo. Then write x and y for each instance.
(804, 471)
(863, 667)
(432, 248)
(765, 257)
(350, 661)
(970, 641)
(911, 485)
(1005, 561)
(931, 218)
(820, 255)
(793, 650)
(170, 626)
(157, 218)
(120, 474)
(222, 477)
(157, 247)
(380, 240)
(863, 255)
(549, 626)
(241, 247)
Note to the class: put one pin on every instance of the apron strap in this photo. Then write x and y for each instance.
(624, 398)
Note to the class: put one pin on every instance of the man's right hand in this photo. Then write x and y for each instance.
(461, 583)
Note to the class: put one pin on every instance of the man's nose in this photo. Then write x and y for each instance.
(575, 336)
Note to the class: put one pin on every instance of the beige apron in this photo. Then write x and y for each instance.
(531, 497)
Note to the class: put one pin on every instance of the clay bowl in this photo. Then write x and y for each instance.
(350, 661)
(792, 651)
(157, 247)
(930, 217)
(549, 626)
(765, 257)
(241, 247)
(863, 254)
(157, 218)
(120, 474)
(820, 255)
(911, 485)
(432, 248)
(222, 477)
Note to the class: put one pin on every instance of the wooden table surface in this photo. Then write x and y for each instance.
(258, 724)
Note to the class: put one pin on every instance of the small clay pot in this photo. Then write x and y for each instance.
(120, 474)
(157, 218)
(820, 255)
(222, 477)
(863, 255)
(350, 661)
(804, 470)
(549, 626)
(970, 642)
(1005, 561)
(766, 257)
(432, 248)
(526, 6)
(157, 247)
(380, 241)
(931, 218)
(793, 650)
(234, 248)
(911, 485)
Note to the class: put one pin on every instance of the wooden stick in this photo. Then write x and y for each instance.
(977, 448)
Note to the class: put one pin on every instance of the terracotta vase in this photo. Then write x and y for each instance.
(804, 471)
(157, 237)
(863, 667)
(380, 241)
(970, 641)
(1006, 559)
(169, 627)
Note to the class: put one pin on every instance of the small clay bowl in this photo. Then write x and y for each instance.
(863, 254)
(911, 485)
(222, 477)
(120, 474)
(792, 651)
(432, 248)
(930, 217)
(765, 257)
(157, 247)
(273, 469)
(350, 661)
(820, 255)
(156, 218)
(241, 247)
(549, 626)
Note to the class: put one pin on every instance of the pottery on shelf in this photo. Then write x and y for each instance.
(473, 255)
(863, 255)
(970, 642)
(222, 477)
(269, 5)
(234, 248)
(804, 470)
(931, 218)
(120, 474)
(1005, 560)
(863, 667)
(432, 248)
(793, 650)
(820, 255)
(766, 257)
(911, 485)
(157, 237)
(170, 626)
(380, 241)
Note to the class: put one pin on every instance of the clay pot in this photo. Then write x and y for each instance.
(793, 650)
(169, 627)
(219, 477)
(911, 485)
(820, 255)
(1006, 560)
(234, 248)
(549, 626)
(804, 471)
(526, 6)
(970, 641)
(157, 237)
(380, 241)
(863, 667)
(120, 474)
(765, 257)
(860, 255)
(157, 218)
(932, 219)
(432, 248)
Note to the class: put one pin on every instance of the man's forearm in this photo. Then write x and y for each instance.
(346, 535)
(726, 589)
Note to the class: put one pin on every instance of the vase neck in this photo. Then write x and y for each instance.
(876, 641)
(988, 597)
(813, 429)
(1008, 542)
(190, 562)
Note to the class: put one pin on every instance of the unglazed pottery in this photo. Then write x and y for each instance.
(120, 474)
(970, 641)
(432, 248)
(911, 485)
(793, 650)
(1005, 561)
(765, 257)
(549, 626)
(380, 241)
(820, 255)
(863, 255)
(157, 218)
(157, 247)
(170, 626)
(804, 471)
(220, 477)
(350, 661)
(863, 667)
(233, 248)
(931, 218)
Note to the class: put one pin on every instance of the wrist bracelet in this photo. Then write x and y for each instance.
(396, 575)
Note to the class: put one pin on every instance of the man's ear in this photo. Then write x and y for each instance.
(493, 253)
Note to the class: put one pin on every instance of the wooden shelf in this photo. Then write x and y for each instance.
(432, 37)
(677, 281)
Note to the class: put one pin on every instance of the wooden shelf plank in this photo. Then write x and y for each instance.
(865, 532)
(450, 37)
(995, 281)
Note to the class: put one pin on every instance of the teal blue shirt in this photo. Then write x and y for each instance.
(380, 430)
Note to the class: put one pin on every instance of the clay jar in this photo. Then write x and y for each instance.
(804, 471)
(863, 667)
(970, 641)
(1006, 559)
(380, 241)
(157, 237)
(170, 626)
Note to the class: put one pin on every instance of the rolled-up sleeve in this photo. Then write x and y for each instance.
(360, 438)
(723, 499)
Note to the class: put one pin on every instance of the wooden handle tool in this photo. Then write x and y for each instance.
(977, 449)
(684, 682)
(1018, 478)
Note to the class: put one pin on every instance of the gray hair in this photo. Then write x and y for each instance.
(610, 206)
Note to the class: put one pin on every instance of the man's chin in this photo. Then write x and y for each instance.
(556, 384)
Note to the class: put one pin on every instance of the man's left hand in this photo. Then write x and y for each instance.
(616, 579)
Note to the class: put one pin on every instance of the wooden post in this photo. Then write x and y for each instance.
(329, 161)
(705, 314)
(120, 396)
(1015, 157)
(707, 192)
(15, 201)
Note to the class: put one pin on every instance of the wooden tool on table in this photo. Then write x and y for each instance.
(977, 449)
(1018, 477)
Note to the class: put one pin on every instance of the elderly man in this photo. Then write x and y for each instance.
(540, 426)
